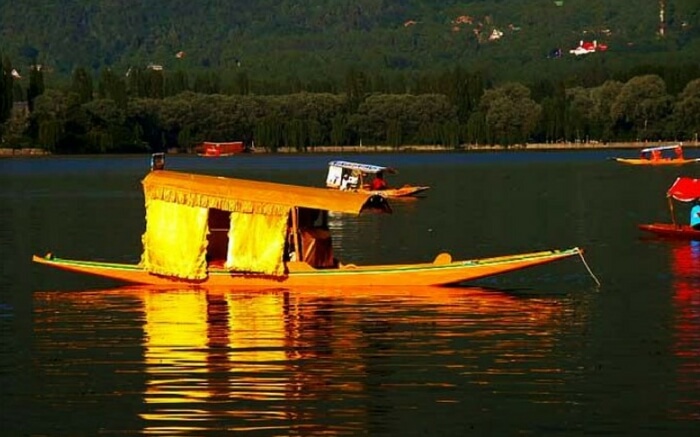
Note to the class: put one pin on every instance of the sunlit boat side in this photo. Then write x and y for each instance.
(216, 231)
(353, 176)
(661, 155)
(211, 149)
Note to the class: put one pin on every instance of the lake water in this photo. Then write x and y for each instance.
(543, 351)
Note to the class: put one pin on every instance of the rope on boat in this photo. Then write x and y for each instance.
(580, 254)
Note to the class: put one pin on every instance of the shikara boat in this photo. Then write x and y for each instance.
(215, 231)
(353, 176)
(662, 155)
(685, 190)
(214, 150)
(670, 230)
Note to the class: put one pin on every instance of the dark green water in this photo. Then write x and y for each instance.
(537, 352)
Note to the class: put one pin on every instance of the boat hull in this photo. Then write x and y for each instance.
(637, 161)
(405, 191)
(220, 150)
(669, 230)
(442, 272)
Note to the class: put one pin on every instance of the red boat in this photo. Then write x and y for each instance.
(683, 190)
(669, 230)
(211, 149)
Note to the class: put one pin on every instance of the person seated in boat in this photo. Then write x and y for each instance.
(353, 181)
(695, 216)
(656, 155)
(344, 182)
(679, 153)
(379, 183)
(314, 238)
(350, 181)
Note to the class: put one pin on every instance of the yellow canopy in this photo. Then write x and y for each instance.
(177, 237)
(238, 195)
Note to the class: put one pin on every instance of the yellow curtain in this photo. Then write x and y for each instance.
(256, 243)
(175, 241)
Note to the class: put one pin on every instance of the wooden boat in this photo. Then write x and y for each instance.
(442, 271)
(662, 155)
(685, 190)
(215, 231)
(215, 150)
(670, 230)
(353, 176)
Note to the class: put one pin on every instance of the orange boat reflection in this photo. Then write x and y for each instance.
(212, 355)
(686, 270)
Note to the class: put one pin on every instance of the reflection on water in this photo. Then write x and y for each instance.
(300, 362)
(206, 347)
(686, 270)
(562, 359)
(362, 238)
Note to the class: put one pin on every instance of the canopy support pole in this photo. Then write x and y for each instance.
(295, 230)
(673, 214)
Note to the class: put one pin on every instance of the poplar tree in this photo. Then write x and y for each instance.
(82, 85)
(36, 85)
(6, 90)
(111, 86)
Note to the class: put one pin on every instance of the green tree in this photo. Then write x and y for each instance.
(603, 97)
(6, 90)
(145, 117)
(450, 134)
(510, 113)
(108, 129)
(295, 134)
(268, 133)
(337, 133)
(407, 118)
(463, 89)
(36, 85)
(580, 113)
(356, 85)
(642, 106)
(477, 131)
(82, 85)
(686, 110)
(553, 122)
(207, 83)
(393, 133)
(50, 115)
(18, 93)
(176, 83)
(155, 83)
(111, 86)
(135, 83)
(242, 84)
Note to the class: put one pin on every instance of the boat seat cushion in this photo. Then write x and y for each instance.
(317, 247)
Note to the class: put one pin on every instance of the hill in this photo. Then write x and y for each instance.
(321, 40)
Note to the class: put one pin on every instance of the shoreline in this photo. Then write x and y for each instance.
(486, 148)
(9, 152)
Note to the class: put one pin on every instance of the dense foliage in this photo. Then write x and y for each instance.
(139, 115)
(128, 75)
(287, 41)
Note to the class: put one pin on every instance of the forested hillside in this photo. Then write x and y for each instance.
(108, 76)
(320, 40)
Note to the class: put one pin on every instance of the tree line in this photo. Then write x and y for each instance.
(151, 110)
